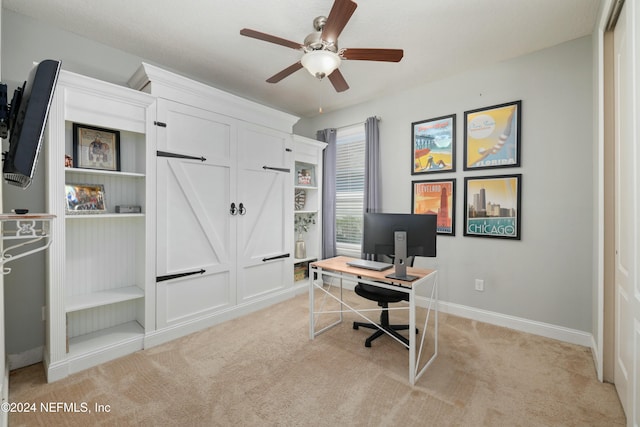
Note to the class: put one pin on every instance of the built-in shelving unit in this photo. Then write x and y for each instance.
(307, 204)
(101, 294)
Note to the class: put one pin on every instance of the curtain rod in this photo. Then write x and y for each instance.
(358, 123)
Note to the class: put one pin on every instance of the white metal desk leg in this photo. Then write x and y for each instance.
(312, 326)
(412, 337)
(435, 285)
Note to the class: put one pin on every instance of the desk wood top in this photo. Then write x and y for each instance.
(339, 264)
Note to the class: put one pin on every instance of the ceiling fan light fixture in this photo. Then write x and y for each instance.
(320, 63)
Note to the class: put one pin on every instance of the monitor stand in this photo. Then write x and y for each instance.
(400, 258)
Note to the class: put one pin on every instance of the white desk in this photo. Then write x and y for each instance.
(337, 267)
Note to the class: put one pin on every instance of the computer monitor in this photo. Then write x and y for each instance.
(400, 236)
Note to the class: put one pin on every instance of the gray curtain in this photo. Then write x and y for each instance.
(372, 165)
(371, 169)
(328, 193)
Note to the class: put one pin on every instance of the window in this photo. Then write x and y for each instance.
(350, 162)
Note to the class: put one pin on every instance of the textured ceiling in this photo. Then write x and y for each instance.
(201, 39)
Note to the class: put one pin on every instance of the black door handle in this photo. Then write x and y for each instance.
(176, 276)
(276, 169)
(241, 209)
(276, 257)
(233, 210)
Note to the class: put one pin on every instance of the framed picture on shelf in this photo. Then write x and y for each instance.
(433, 145)
(492, 206)
(300, 199)
(305, 175)
(96, 148)
(492, 136)
(436, 197)
(85, 199)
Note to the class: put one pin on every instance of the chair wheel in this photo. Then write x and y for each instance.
(367, 344)
(355, 326)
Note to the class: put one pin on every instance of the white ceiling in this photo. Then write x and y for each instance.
(200, 39)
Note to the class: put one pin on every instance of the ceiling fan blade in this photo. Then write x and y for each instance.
(339, 15)
(337, 80)
(388, 55)
(269, 38)
(285, 73)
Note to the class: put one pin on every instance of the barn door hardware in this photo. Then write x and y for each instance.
(276, 257)
(179, 156)
(241, 209)
(176, 276)
(271, 168)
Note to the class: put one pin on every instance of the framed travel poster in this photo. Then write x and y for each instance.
(433, 145)
(492, 137)
(492, 206)
(436, 197)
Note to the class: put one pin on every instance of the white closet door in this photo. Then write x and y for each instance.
(264, 189)
(627, 187)
(195, 228)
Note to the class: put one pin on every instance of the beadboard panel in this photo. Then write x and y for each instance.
(87, 321)
(103, 253)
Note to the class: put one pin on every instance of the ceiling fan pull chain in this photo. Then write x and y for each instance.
(320, 106)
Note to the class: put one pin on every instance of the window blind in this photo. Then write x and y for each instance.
(350, 146)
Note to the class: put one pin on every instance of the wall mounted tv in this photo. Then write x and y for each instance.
(24, 120)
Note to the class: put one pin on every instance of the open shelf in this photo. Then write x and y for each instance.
(97, 299)
(104, 216)
(104, 338)
(104, 172)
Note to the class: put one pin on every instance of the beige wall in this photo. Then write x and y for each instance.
(548, 275)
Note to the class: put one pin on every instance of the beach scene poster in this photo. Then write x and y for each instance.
(433, 143)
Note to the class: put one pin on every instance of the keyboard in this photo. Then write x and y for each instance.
(370, 265)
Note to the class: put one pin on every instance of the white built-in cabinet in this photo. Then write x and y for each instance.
(224, 197)
(101, 272)
(307, 182)
(214, 175)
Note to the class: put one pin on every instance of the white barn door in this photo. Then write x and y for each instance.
(265, 191)
(627, 216)
(196, 233)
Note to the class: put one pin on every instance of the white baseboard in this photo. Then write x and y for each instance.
(26, 358)
(548, 330)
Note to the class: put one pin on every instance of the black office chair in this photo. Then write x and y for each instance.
(383, 297)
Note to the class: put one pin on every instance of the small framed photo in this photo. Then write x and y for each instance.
(85, 199)
(492, 137)
(96, 148)
(436, 197)
(492, 206)
(433, 145)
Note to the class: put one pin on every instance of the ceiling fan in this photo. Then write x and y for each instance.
(322, 57)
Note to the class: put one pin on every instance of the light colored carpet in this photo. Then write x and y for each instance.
(263, 370)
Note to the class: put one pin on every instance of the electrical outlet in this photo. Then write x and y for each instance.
(479, 285)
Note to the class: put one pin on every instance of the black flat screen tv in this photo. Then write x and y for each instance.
(28, 114)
